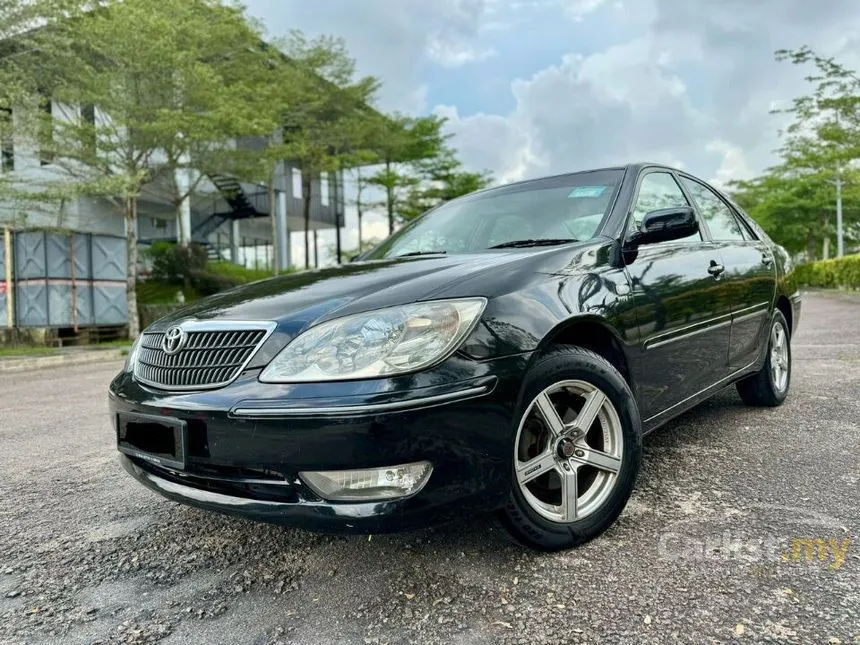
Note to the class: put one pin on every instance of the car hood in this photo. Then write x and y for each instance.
(312, 296)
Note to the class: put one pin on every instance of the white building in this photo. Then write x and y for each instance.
(231, 218)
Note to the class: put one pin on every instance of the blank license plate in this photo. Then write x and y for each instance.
(158, 440)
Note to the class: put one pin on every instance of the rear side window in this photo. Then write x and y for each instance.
(750, 231)
(722, 223)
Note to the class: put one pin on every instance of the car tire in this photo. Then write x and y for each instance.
(769, 386)
(572, 379)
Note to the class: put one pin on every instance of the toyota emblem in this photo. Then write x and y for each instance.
(174, 340)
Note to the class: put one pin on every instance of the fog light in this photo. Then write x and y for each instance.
(369, 484)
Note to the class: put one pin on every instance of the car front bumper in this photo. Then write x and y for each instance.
(248, 442)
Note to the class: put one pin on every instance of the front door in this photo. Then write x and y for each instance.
(682, 305)
(750, 273)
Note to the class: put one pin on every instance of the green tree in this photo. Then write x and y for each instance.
(442, 178)
(142, 90)
(330, 118)
(402, 142)
(795, 205)
(825, 134)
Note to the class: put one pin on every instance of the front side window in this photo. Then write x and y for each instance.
(562, 209)
(659, 190)
(721, 222)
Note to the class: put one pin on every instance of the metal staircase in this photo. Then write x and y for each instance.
(242, 206)
(235, 196)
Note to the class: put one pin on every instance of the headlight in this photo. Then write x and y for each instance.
(131, 358)
(376, 343)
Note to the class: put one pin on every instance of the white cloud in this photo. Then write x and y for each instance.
(456, 54)
(577, 10)
(456, 41)
(587, 111)
(694, 88)
(390, 39)
(734, 164)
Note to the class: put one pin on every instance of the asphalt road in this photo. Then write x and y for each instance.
(707, 551)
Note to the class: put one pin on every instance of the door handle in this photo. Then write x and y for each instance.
(716, 269)
(766, 259)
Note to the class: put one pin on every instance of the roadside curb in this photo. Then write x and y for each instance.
(27, 363)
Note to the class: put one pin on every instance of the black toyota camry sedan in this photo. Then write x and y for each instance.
(505, 352)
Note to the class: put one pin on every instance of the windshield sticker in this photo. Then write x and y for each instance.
(587, 191)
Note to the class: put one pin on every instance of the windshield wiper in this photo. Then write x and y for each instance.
(406, 255)
(541, 242)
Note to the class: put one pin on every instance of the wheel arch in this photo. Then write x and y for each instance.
(784, 305)
(592, 333)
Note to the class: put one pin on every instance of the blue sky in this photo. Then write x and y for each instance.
(532, 87)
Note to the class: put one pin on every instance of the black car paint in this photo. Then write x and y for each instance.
(680, 333)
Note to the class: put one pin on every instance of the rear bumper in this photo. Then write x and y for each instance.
(245, 452)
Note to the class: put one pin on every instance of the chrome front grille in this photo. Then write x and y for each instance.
(212, 355)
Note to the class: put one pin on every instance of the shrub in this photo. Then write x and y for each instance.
(839, 273)
(187, 269)
(173, 264)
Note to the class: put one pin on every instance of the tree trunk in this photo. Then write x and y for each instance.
(389, 195)
(337, 216)
(306, 208)
(316, 251)
(131, 269)
(811, 246)
(274, 222)
(358, 205)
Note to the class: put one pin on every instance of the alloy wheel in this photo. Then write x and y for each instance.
(568, 451)
(779, 361)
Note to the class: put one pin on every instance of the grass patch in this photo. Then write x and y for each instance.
(122, 343)
(236, 273)
(13, 352)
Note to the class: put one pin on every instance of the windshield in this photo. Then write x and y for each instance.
(547, 211)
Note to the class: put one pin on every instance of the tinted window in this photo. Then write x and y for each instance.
(720, 219)
(659, 190)
(566, 207)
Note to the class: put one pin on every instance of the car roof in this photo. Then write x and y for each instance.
(631, 167)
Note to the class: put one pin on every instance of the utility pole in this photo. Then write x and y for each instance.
(840, 247)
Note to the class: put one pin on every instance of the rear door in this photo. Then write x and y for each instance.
(750, 272)
(681, 303)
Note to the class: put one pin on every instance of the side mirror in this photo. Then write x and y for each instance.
(664, 225)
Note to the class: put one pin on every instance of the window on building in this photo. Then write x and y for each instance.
(7, 143)
(324, 189)
(158, 224)
(297, 183)
(88, 118)
(46, 136)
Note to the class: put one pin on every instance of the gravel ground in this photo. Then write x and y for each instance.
(704, 553)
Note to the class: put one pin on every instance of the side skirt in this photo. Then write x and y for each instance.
(651, 424)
